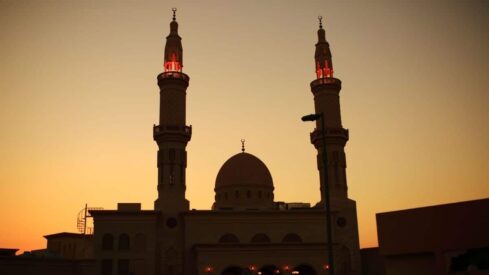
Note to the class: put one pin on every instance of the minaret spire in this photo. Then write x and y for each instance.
(173, 47)
(322, 56)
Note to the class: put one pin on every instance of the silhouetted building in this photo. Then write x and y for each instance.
(8, 252)
(442, 239)
(70, 245)
(246, 230)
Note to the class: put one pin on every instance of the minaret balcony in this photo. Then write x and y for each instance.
(339, 134)
(328, 81)
(173, 75)
(172, 132)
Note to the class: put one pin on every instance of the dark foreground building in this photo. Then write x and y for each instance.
(441, 240)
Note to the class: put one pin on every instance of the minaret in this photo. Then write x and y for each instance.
(326, 91)
(172, 134)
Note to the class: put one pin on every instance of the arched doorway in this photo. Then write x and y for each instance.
(233, 270)
(304, 269)
(269, 270)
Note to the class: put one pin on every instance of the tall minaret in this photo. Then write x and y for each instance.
(172, 134)
(326, 91)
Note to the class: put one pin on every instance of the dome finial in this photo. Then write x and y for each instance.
(242, 145)
(174, 13)
(320, 18)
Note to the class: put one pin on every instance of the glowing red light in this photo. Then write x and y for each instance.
(173, 65)
(208, 269)
(326, 266)
(286, 268)
(326, 71)
(252, 267)
(277, 271)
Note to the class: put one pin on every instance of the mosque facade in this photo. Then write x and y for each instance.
(246, 231)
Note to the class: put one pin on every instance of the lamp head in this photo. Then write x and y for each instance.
(311, 117)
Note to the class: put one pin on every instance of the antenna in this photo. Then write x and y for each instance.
(82, 220)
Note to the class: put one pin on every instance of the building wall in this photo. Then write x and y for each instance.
(283, 256)
(71, 246)
(36, 266)
(372, 262)
(206, 228)
(419, 264)
(428, 239)
(140, 227)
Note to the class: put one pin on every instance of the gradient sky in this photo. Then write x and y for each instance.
(78, 98)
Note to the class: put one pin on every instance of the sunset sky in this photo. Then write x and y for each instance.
(78, 100)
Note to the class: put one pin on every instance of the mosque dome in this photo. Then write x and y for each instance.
(243, 183)
(244, 169)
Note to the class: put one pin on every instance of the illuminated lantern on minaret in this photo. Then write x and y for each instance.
(324, 64)
(172, 134)
(326, 90)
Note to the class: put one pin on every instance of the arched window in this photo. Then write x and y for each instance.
(140, 242)
(228, 238)
(292, 238)
(260, 238)
(123, 242)
(107, 242)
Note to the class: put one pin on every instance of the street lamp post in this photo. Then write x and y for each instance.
(314, 117)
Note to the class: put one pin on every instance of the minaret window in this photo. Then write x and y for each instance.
(323, 72)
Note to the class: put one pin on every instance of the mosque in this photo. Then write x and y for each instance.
(246, 232)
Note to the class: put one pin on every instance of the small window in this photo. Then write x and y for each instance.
(107, 242)
(229, 238)
(123, 242)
